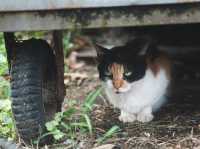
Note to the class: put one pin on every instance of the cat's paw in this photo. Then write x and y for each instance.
(145, 117)
(126, 117)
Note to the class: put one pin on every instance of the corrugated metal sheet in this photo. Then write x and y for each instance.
(32, 5)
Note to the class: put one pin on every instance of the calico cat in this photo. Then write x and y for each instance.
(135, 78)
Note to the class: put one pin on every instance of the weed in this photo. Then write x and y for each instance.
(7, 128)
(6, 122)
(3, 58)
(113, 130)
(67, 43)
(75, 120)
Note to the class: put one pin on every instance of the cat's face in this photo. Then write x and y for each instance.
(120, 67)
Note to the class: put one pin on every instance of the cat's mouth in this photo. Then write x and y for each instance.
(118, 92)
(122, 89)
(117, 86)
(120, 86)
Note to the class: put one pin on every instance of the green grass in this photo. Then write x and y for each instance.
(6, 122)
(75, 120)
(7, 128)
(112, 131)
(3, 58)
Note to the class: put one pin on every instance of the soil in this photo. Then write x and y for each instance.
(175, 126)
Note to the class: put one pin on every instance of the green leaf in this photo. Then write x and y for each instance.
(58, 117)
(69, 112)
(5, 105)
(57, 134)
(67, 127)
(51, 125)
(90, 99)
(89, 124)
(109, 134)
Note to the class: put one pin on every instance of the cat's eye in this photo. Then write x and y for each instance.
(127, 74)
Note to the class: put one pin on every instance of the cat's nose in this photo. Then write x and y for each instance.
(117, 83)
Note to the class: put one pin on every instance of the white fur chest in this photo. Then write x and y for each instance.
(149, 91)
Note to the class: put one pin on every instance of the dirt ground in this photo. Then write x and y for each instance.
(175, 126)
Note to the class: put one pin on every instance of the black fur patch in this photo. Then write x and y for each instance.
(129, 56)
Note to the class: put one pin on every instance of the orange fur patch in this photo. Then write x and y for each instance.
(162, 61)
(117, 71)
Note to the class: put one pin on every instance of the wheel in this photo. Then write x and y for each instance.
(32, 87)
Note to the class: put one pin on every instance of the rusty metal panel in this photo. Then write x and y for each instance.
(100, 17)
(33, 5)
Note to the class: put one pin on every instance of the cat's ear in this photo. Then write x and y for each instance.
(139, 45)
(101, 51)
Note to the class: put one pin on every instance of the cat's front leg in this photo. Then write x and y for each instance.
(145, 115)
(127, 117)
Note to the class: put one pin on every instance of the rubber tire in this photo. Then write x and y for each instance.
(30, 70)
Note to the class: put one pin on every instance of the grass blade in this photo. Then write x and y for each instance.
(90, 99)
(108, 134)
(89, 124)
(79, 124)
